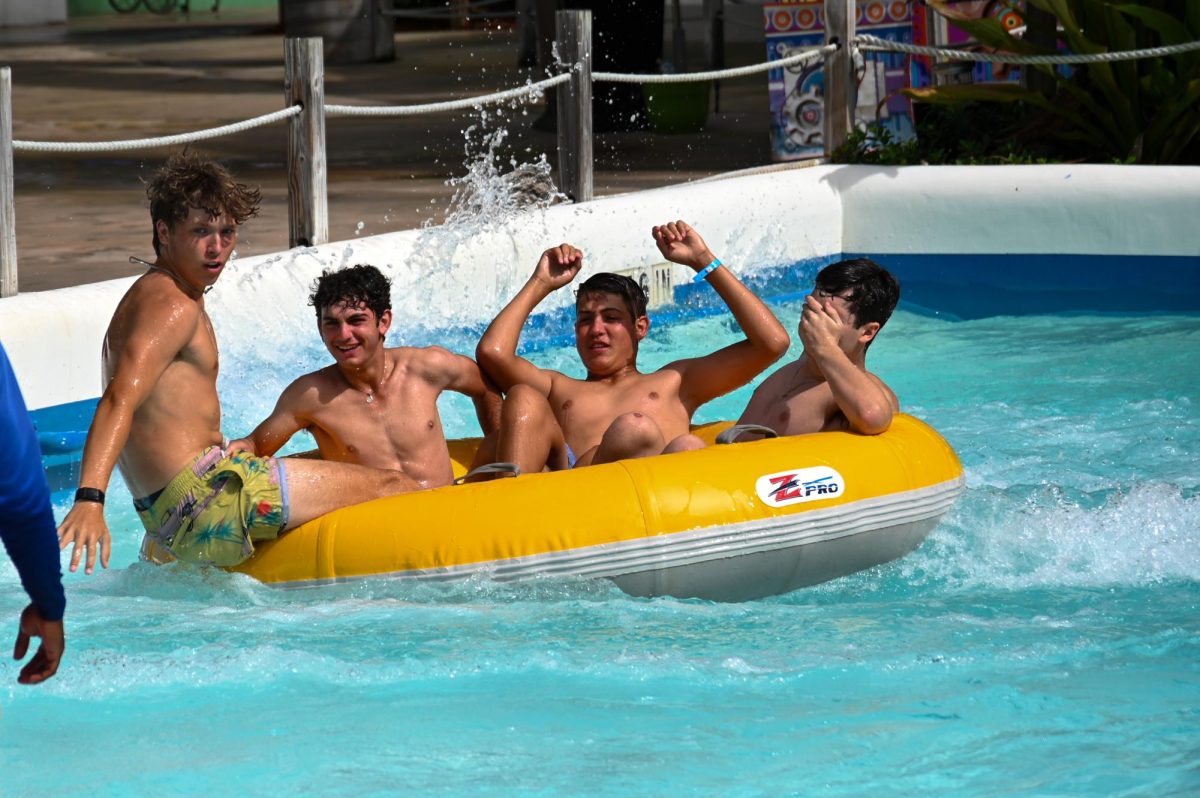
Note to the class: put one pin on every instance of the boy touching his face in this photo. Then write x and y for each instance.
(829, 387)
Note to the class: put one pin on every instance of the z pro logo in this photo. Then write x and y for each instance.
(800, 485)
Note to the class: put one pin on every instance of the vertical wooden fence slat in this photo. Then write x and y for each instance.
(575, 105)
(304, 84)
(8, 213)
(840, 86)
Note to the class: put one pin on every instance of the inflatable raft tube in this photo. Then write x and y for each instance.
(727, 523)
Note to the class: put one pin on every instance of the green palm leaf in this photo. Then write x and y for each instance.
(1148, 109)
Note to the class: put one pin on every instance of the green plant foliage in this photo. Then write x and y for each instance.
(1143, 111)
(963, 134)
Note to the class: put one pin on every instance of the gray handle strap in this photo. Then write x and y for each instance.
(730, 435)
(490, 468)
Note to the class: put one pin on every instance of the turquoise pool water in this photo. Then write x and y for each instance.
(1043, 641)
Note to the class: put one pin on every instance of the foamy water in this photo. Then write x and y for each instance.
(1043, 640)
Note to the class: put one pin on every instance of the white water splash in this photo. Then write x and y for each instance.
(488, 195)
(437, 279)
(1145, 535)
(494, 205)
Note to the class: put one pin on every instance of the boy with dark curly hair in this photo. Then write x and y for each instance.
(159, 419)
(375, 406)
(828, 387)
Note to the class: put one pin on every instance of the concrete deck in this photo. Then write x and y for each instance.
(79, 217)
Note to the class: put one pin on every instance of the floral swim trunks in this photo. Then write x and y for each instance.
(215, 507)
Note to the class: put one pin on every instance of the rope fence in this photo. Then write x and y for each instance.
(864, 42)
(526, 91)
(874, 44)
(809, 54)
(304, 86)
(332, 109)
(160, 141)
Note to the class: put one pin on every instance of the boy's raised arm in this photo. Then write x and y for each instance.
(497, 349)
(709, 376)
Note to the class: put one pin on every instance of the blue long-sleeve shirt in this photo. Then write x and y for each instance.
(26, 518)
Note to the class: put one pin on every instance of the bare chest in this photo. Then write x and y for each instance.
(800, 407)
(201, 352)
(379, 429)
(590, 407)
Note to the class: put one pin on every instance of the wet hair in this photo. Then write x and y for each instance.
(619, 285)
(189, 180)
(356, 285)
(873, 291)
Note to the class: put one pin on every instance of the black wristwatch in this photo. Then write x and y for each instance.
(89, 495)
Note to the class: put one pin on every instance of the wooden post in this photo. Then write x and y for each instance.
(308, 199)
(575, 105)
(840, 87)
(8, 213)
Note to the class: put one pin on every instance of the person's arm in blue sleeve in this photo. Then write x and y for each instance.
(28, 532)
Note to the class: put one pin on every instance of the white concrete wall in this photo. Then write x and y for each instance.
(1057, 209)
(32, 12)
(442, 275)
(446, 276)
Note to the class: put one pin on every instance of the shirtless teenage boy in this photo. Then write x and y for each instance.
(829, 387)
(375, 406)
(550, 419)
(159, 418)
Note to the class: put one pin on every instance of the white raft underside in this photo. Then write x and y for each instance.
(733, 562)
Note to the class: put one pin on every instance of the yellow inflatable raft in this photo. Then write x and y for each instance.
(727, 523)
